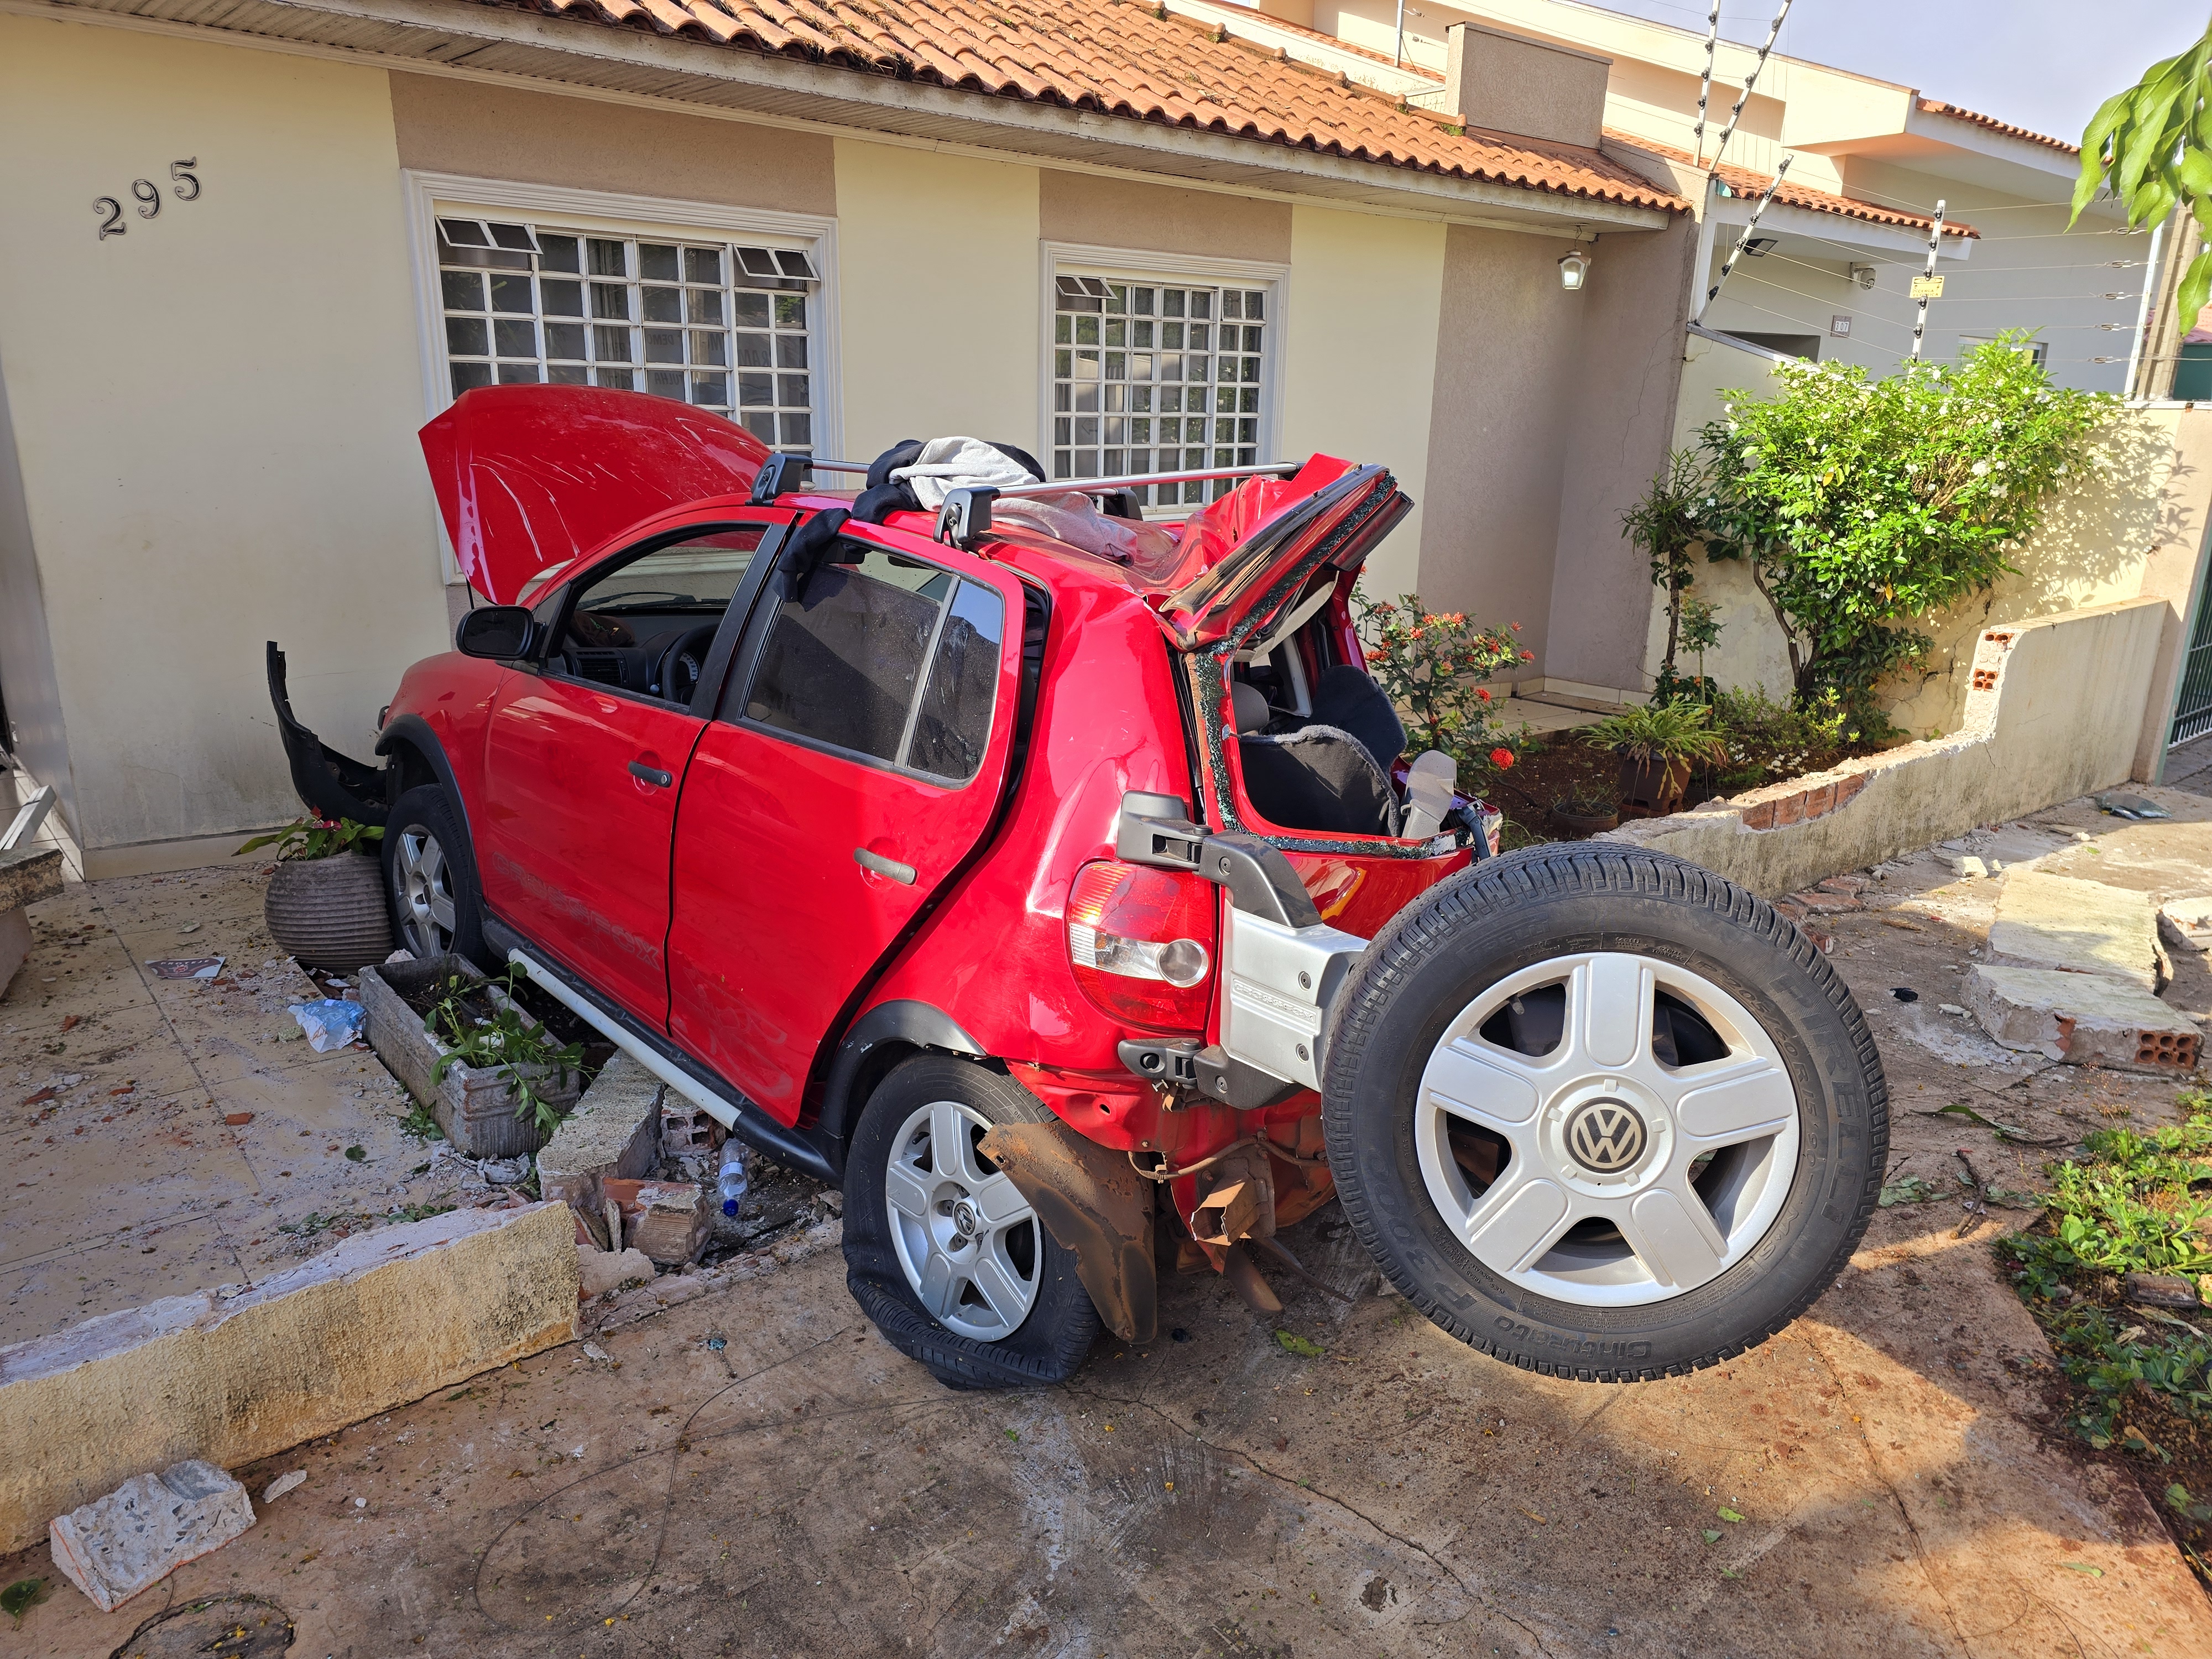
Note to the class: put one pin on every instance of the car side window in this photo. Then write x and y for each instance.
(884, 657)
(645, 625)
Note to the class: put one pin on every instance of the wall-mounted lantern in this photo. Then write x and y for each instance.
(1574, 271)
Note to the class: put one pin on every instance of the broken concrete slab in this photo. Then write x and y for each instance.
(28, 874)
(2082, 1019)
(2058, 921)
(601, 1271)
(235, 1374)
(614, 1131)
(670, 1220)
(2186, 923)
(146, 1529)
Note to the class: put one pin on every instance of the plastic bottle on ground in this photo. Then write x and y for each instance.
(733, 1182)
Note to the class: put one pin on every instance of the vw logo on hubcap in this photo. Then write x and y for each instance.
(964, 1219)
(1606, 1136)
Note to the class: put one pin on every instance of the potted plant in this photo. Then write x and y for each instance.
(1583, 813)
(325, 903)
(1657, 744)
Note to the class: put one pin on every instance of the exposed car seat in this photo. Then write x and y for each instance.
(1317, 778)
(1345, 698)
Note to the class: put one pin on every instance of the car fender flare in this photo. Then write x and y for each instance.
(877, 1036)
(413, 732)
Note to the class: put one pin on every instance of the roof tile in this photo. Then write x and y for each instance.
(1937, 107)
(1742, 181)
(1132, 62)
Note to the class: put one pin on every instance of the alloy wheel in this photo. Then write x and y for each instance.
(967, 1238)
(1607, 1129)
(424, 876)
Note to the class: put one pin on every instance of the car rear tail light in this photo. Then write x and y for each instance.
(1142, 941)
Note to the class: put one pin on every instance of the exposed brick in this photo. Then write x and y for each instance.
(1761, 817)
(1819, 800)
(1790, 810)
(1849, 786)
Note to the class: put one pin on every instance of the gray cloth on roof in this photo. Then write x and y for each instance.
(949, 464)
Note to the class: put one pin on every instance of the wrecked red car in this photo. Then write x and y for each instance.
(1058, 882)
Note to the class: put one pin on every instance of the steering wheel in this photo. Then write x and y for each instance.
(676, 676)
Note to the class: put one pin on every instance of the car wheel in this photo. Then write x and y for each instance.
(942, 1250)
(1603, 1114)
(430, 874)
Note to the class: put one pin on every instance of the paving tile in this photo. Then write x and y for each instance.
(83, 1281)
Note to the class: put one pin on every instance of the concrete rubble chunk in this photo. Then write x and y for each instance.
(2186, 923)
(601, 1271)
(116, 1545)
(2058, 921)
(670, 1220)
(1969, 867)
(2082, 1019)
(615, 1130)
(283, 1483)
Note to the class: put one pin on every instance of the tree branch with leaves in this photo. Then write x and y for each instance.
(2152, 147)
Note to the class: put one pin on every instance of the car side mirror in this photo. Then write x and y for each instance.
(502, 631)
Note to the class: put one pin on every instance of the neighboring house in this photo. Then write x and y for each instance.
(251, 249)
(1830, 273)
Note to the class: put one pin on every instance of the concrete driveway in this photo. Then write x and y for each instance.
(755, 1472)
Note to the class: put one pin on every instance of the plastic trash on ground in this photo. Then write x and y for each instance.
(732, 1181)
(329, 1024)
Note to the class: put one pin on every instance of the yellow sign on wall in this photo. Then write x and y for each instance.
(1927, 287)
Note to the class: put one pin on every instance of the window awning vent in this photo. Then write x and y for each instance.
(784, 268)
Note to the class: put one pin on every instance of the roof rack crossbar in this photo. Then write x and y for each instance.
(1137, 480)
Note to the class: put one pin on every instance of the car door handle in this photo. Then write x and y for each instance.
(652, 774)
(902, 873)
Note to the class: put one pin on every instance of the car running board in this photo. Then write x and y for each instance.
(737, 1115)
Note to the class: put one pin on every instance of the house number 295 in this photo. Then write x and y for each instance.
(148, 194)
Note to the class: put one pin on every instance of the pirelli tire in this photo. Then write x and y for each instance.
(1603, 1114)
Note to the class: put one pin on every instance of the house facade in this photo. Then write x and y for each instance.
(249, 256)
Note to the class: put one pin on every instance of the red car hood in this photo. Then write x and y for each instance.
(530, 477)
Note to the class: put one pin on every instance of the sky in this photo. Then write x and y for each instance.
(2043, 64)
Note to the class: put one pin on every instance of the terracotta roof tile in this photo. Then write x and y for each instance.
(1120, 58)
(1937, 107)
(1742, 181)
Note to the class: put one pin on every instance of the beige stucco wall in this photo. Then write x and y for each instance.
(1365, 303)
(1125, 213)
(543, 138)
(214, 413)
(936, 261)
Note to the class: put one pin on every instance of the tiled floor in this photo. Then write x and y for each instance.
(124, 1181)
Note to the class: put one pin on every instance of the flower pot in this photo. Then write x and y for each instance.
(1650, 789)
(1579, 826)
(474, 1105)
(330, 912)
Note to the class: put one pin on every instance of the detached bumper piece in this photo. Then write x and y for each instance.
(336, 786)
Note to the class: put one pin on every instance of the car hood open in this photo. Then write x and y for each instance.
(529, 476)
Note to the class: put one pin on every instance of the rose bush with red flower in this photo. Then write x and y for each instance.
(1431, 663)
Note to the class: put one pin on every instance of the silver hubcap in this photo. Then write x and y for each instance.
(425, 893)
(1645, 1151)
(968, 1239)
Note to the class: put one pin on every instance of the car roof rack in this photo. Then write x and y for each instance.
(780, 474)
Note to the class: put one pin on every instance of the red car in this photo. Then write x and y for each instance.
(1058, 882)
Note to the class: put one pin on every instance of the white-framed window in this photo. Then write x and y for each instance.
(1160, 364)
(722, 308)
(2037, 349)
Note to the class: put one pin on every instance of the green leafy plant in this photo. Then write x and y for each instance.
(1431, 665)
(1860, 504)
(505, 1042)
(2152, 144)
(1660, 733)
(315, 838)
(1665, 526)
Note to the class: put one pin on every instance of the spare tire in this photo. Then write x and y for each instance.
(1603, 1114)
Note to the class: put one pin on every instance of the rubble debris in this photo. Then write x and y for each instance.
(602, 1270)
(686, 1130)
(2130, 806)
(615, 1129)
(2082, 1019)
(288, 1481)
(2059, 921)
(2186, 923)
(670, 1220)
(115, 1547)
(187, 968)
(1969, 867)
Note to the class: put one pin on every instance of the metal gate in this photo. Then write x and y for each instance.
(2192, 704)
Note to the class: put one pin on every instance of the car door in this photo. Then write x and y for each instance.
(857, 757)
(584, 756)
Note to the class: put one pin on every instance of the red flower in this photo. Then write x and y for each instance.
(1528, 656)
(1501, 758)
(1483, 692)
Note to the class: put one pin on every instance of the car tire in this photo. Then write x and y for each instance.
(1530, 1169)
(430, 877)
(1005, 1308)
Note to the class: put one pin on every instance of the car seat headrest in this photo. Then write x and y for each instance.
(1247, 707)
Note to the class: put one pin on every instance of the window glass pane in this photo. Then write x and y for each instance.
(952, 728)
(464, 290)
(844, 659)
(628, 623)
